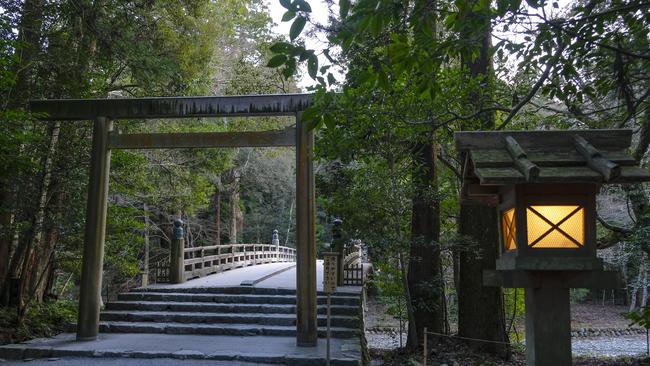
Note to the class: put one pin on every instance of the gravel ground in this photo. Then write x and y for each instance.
(611, 347)
(384, 341)
(598, 346)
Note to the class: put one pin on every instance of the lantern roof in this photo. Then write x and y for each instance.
(499, 158)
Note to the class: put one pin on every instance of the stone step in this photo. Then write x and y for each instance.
(217, 329)
(222, 318)
(225, 308)
(233, 290)
(231, 298)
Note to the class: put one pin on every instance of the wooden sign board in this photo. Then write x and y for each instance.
(329, 272)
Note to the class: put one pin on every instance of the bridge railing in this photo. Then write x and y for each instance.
(350, 264)
(203, 261)
(188, 263)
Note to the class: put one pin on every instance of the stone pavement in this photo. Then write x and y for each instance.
(75, 361)
(271, 350)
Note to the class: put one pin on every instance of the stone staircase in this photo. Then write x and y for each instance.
(232, 311)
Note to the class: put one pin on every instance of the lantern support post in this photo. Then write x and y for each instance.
(548, 326)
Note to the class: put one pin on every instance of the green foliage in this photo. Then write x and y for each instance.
(41, 320)
(640, 317)
(387, 278)
(579, 295)
(514, 308)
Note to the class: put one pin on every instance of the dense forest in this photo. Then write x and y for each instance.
(88, 49)
(392, 82)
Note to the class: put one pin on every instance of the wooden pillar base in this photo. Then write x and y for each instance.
(548, 327)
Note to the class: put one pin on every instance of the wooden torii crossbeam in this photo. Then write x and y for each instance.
(104, 111)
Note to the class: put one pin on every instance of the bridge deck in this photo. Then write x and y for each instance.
(234, 277)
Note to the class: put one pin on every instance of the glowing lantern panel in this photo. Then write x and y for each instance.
(509, 229)
(557, 227)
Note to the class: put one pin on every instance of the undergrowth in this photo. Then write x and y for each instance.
(41, 320)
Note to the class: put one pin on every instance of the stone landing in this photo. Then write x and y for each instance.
(265, 350)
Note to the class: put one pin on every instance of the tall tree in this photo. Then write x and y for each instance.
(480, 308)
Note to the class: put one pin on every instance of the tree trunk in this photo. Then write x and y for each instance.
(635, 291)
(234, 207)
(23, 263)
(217, 215)
(480, 309)
(145, 264)
(45, 255)
(235, 213)
(424, 282)
(644, 288)
(290, 220)
(6, 231)
(29, 36)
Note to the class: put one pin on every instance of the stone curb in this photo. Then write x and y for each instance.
(605, 332)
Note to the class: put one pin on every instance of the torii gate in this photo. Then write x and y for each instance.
(104, 111)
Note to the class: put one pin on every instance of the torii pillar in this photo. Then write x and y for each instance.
(307, 331)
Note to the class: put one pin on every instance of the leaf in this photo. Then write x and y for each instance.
(533, 3)
(285, 3)
(297, 27)
(376, 25)
(310, 114)
(288, 16)
(303, 6)
(287, 72)
(281, 47)
(290, 68)
(277, 60)
(330, 122)
(305, 55)
(312, 66)
(344, 8)
(331, 79)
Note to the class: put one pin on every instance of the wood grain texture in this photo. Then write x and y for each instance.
(614, 139)
(172, 107)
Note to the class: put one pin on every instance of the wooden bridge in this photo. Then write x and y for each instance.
(207, 260)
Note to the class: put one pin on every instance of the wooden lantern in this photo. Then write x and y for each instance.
(544, 186)
(548, 227)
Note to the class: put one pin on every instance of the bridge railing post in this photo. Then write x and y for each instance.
(177, 260)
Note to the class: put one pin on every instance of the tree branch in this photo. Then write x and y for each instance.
(449, 164)
(534, 89)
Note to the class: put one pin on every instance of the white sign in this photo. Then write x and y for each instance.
(329, 272)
